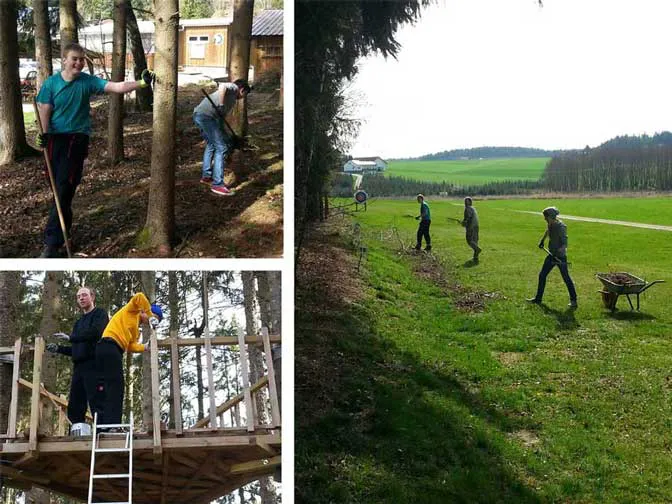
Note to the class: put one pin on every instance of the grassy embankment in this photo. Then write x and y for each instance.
(404, 397)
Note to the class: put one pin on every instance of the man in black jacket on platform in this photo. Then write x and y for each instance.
(85, 335)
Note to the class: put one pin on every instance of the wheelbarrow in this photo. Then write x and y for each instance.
(617, 284)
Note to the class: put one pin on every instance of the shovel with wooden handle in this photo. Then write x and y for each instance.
(52, 182)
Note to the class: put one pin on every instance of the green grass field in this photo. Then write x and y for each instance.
(517, 403)
(470, 172)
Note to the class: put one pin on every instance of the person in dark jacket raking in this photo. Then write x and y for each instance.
(82, 349)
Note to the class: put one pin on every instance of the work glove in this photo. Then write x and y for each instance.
(146, 78)
(52, 348)
(61, 335)
(541, 244)
(42, 139)
(154, 323)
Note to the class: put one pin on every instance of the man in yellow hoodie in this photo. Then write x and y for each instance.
(121, 335)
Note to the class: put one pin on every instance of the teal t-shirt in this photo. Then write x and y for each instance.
(70, 102)
(424, 211)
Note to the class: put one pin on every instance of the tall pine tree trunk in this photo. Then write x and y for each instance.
(9, 300)
(148, 282)
(161, 212)
(143, 96)
(42, 41)
(68, 22)
(174, 309)
(115, 131)
(13, 144)
(241, 36)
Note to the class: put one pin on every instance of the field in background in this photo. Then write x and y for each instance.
(470, 172)
(514, 403)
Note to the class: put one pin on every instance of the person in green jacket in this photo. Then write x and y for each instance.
(470, 223)
(423, 228)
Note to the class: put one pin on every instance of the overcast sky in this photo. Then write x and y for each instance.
(510, 73)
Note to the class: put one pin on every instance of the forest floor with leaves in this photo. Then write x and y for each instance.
(110, 206)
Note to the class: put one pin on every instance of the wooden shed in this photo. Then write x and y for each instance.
(204, 43)
(266, 46)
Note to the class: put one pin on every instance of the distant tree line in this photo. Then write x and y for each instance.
(486, 153)
(625, 163)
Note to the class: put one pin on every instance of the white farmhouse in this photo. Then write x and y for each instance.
(365, 164)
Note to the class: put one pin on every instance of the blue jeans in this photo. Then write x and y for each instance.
(549, 264)
(216, 148)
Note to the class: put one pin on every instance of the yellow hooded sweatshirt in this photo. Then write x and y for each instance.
(124, 326)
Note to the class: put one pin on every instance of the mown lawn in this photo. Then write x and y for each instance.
(423, 402)
(470, 172)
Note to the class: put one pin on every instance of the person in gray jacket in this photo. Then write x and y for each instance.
(470, 223)
(557, 246)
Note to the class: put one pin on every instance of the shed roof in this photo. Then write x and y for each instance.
(267, 23)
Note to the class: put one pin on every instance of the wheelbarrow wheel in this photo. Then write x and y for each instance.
(609, 300)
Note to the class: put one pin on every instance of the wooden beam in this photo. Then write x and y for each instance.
(156, 400)
(6, 349)
(35, 399)
(14, 404)
(231, 402)
(271, 451)
(175, 369)
(246, 381)
(62, 419)
(208, 353)
(255, 465)
(164, 477)
(183, 443)
(272, 389)
(220, 340)
(58, 401)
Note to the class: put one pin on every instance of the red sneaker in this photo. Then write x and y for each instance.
(206, 180)
(221, 190)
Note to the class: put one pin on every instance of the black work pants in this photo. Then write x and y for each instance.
(549, 264)
(82, 390)
(110, 398)
(67, 153)
(423, 231)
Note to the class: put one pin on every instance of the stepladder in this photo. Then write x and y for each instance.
(115, 438)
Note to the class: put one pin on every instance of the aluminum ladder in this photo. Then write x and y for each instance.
(125, 430)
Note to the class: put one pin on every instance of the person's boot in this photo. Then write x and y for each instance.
(49, 251)
(533, 300)
(573, 304)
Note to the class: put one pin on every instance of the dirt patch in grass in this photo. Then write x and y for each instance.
(110, 206)
(528, 438)
(430, 268)
(509, 358)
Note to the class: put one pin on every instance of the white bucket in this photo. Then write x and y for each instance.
(80, 429)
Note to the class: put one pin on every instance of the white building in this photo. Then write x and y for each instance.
(365, 164)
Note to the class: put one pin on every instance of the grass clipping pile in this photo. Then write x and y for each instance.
(431, 268)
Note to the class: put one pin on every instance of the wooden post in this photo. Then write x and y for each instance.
(61, 418)
(208, 354)
(175, 367)
(156, 404)
(35, 399)
(14, 404)
(272, 389)
(246, 381)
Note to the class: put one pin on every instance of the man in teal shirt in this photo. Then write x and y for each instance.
(64, 107)
(423, 229)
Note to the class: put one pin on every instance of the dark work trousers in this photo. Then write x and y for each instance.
(549, 264)
(82, 390)
(67, 153)
(110, 393)
(423, 230)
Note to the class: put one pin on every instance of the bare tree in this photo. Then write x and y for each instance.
(42, 41)
(115, 132)
(143, 96)
(68, 22)
(10, 282)
(148, 282)
(161, 211)
(13, 144)
(241, 36)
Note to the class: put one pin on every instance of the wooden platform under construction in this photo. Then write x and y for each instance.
(196, 466)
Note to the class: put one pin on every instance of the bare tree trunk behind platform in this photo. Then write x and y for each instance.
(115, 129)
(68, 20)
(42, 41)
(241, 36)
(51, 307)
(161, 211)
(143, 96)
(174, 309)
(148, 282)
(10, 282)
